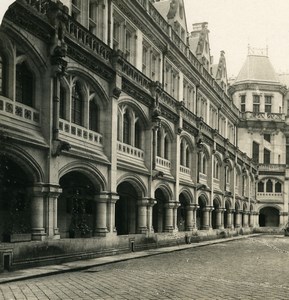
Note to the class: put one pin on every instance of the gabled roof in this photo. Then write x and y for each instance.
(257, 68)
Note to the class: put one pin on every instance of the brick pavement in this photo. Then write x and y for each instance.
(253, 268)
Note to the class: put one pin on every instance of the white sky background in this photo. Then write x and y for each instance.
(234, 24)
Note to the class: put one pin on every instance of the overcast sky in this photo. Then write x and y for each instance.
(234, 24)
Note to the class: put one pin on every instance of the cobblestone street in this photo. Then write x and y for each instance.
(253, 268)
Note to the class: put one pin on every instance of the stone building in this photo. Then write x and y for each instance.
(117, 132)
(261, 98)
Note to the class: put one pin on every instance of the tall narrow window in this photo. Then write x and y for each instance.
(269, 186)
(255, 152)
(187, 157)
(62, 103)
(243, 103)
(204, 165)
(24, 84)
(278, 188)
(144, 60)
(261, 187)
(92, 16)
(267, 137)
(267, 156)
(137, 135)
(159, 141)
(77, 104)
(182, 153)
(166, 148)
(268, 104)
(256, 103)
(76, 6)
(126, 128)
(93, 116)
(2, 75)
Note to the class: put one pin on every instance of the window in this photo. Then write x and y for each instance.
(137, 135)
(278, 187)
(150, 61)
(116, 34)
(166, 148)
(256, 103)
(24, 84)
(2, 75)
(266, 156)
(204, 165)
(261, 187)
(267, 137)
(92, 16)
(126, 128)
(93, 115)
(76, 6)
(187, 157)
(159, 141)
(144, 60)
(62, 103)
(182, 153)
(255, 152)
(268, 104)
(269, 186)
(77, 104)
(243, 103)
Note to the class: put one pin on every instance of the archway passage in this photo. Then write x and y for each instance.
(269, 217)
(182, 213)
(126, 209)
(15, 216)
(76, 207)
(200, 222)
(159, 211)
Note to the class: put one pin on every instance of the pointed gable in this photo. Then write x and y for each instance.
(219, 71)
(199, 43)
(174, 12)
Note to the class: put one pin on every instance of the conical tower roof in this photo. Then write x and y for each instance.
(257, 68)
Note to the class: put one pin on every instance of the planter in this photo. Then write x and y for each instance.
(18, 237)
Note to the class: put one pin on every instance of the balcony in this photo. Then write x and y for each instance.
(19, 111)
(129, 150)
(272, 167)
(203, 178)
(248, 115)
(76, 134)
(270, 197)
(163, 164)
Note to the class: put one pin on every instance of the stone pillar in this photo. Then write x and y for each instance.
(52, 194)
(283, 218)
(230, 218)
(37, 213)
(238, 219)
(169, 217)
(195, 207)
(143, 205)
(175, 214)
(112, 198)
(190, 222)
(101, 215)
(151, 203)
(219, 218)
(206, 218)
(246, 219)
(251, 219)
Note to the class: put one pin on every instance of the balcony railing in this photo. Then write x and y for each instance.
(185, 170)
(19, 110)
(248, 115)
(163, 162)
(80, 133)
(272, 167)
(202, 178)
(130, 150)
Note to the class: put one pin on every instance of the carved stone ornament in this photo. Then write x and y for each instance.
(116, 92)
(59, 146)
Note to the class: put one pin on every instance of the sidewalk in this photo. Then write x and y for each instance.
(86, 264)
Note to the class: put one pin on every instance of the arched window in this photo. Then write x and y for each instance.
(62, 102)
(93, 115)
(182, 153)
(77, 104)
(24, 84)
(228, 174)
(269, 186)
(137, 135)
(2, 75)
(187, 157)
(126, 128)
(204, 164)
(261, 187)
(278, 187)
(166, 148)
(159, 141)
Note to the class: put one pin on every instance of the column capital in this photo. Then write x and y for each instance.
(110, 197)
(41, 189)
(169, 205)
(143, 202)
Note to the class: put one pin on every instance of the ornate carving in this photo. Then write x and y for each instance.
(116, 92)
(59, 146)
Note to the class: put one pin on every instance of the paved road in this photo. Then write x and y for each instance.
(253, 268)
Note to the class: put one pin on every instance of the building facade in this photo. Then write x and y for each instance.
(117, 133)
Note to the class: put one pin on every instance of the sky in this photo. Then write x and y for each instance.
(234, 24)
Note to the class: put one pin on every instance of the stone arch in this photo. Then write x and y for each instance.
(218, 157)
(188, 194)
(202, 213)
(165, 124)
(165, 189)
(136, 107)
(84, 76)
(96, 177)
(188, 138)
(269, 216)
(136, 182)
(25, 160)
